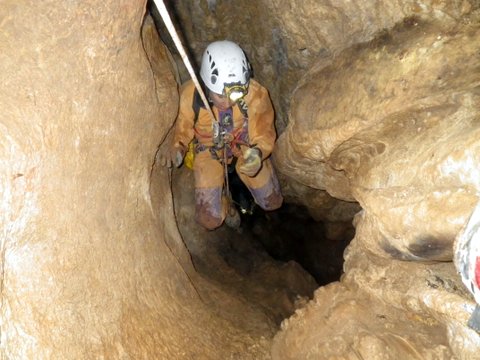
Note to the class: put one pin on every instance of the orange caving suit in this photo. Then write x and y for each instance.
(258, 130)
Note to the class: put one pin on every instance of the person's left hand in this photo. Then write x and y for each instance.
(172, 156)
(252, 162)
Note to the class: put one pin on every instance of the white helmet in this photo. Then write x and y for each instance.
(225, 69)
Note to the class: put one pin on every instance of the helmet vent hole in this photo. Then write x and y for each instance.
(213, 79)
(215, 72)
(212, 65)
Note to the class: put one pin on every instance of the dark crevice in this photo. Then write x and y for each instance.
(290, 233)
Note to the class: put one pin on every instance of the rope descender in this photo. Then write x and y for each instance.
(178, 44)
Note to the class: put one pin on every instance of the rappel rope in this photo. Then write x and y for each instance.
(162, 9)
(173, 33)
(227, 184)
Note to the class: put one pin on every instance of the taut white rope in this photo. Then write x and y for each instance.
(173, 33)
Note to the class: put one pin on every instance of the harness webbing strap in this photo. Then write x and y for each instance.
(242, 105)
(238, 136)
(196, 105)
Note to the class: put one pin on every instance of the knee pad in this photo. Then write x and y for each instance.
(208, 207)
(206, 220)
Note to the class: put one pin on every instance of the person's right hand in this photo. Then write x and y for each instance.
(252, 162)
(173, 156)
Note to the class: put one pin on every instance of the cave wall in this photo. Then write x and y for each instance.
(377, 103)
(285, 39)
(402, 137)
(92, 261)
(394, 124)
(86, 268)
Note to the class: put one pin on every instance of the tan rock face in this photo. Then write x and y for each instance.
(93, 265)
(383, 309)
(86, 270)
(397, 121)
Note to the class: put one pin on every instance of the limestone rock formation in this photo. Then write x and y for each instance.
(396, 121)
(402, 135)
(85, 268)
(383, 309)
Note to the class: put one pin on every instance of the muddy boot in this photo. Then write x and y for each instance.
(233, 218)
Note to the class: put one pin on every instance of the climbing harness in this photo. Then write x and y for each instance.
(221, 136)
(227, 145)
(228, 137)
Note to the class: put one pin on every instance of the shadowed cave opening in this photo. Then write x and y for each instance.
(275, 259)
(291, 233)
(287, 234)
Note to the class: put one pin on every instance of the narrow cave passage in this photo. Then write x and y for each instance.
(351, 140)
(284, 251)
(92, 262)
(291, 233)
(275, 260)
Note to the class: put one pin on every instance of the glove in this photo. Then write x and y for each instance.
(173, 156)
(252, 162)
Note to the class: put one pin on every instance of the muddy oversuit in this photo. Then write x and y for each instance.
(210, 206)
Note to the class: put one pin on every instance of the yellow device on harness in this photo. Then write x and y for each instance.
(189, 156)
